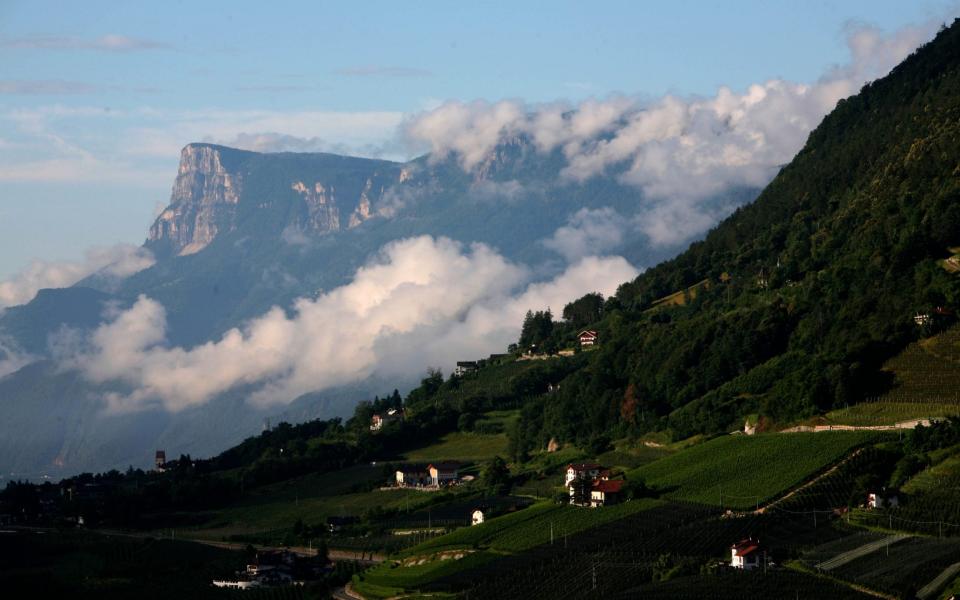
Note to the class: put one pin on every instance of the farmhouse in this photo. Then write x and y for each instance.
(413, 475)
(746, 554)
(606, 492)
(378, 420)
(588, 337)
(464, 367)
(443, 473)
(590, 484)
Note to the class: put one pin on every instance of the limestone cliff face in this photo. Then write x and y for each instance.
(320, 212)
(203, 201)
(222, 190)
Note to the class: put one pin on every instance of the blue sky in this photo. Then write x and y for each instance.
(96, 98)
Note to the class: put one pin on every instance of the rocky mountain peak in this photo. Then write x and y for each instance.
(203, 193)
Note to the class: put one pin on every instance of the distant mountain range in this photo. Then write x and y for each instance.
(245, 231)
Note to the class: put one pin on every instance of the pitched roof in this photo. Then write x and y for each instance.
(609, 486)
(587, 332)
(745, 547)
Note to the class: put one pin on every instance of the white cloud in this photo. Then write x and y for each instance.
(117, 262)
(11, 358)
(422, 301)
(680, 151)
(282, 142)
(107, 43)
(588, 232)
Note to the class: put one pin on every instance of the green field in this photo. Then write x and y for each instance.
(462, 446)
(926, 384)
(889, 412)
(532, 526)
(267, 514)
(471, 446)
(738, 471)
(510, 534)
(935, 477)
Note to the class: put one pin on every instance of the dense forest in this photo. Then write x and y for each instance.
(805, 292)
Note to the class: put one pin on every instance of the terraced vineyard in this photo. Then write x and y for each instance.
(533, 526)
(471, 547)
(926, 384)
(742, 472)
(624, 554)
(774, 585)
(836, 488)
(909, 565)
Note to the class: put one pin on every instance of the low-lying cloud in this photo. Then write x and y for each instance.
(421, 301)
(588, 232)
(12, 359)
(679, 151)
(119, 261)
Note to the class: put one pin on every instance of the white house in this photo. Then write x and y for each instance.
(477, 516)
(443, 473)
(746, 554)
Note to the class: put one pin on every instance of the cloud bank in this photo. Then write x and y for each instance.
(421, 301)
(119, 261)
(679, 151)
(588, 232)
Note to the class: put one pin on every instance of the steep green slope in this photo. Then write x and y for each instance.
(743, 472)
(814, 285)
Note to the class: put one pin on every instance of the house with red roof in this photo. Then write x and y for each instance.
(746, 554)
(606, 492)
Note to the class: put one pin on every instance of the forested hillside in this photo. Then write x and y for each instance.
(808, 289)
